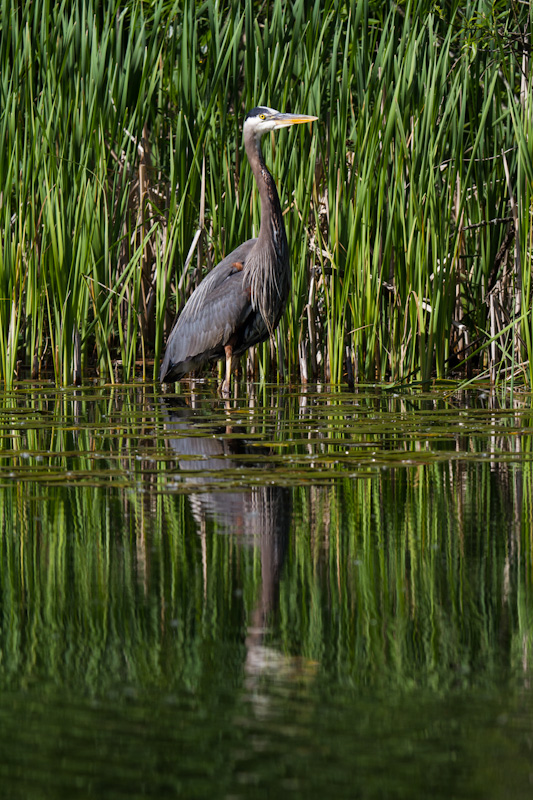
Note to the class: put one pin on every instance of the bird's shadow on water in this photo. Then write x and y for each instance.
(259, 516)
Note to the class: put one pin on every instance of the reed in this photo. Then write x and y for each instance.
(407, 207)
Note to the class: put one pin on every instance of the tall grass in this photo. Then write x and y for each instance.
(407, 206)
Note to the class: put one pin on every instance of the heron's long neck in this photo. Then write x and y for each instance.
(272, 229)
(267, 268)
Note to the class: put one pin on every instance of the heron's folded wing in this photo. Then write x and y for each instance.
(213, 320)
(204, 294)
(211, 315)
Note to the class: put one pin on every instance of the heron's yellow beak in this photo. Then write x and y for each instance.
(284, 120)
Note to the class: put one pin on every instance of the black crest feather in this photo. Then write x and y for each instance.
(255, 112)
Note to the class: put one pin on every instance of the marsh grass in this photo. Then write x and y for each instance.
(407, 207)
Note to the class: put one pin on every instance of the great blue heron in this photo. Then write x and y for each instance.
(240, 302)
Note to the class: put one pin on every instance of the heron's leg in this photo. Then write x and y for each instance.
(229, 361)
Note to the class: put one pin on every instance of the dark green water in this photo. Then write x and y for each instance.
(291, 595)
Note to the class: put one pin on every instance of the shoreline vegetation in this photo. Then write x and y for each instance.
(408, 207)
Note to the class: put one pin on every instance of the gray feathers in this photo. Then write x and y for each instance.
(210, 318)
(241, 301)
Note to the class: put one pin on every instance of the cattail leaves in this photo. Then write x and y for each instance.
(121, 131)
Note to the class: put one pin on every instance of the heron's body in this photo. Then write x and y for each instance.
(241, 301)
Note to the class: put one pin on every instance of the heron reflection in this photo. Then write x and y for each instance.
(258, 516)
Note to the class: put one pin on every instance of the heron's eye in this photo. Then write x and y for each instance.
(262, 116)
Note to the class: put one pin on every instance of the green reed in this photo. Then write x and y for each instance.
(407, 205)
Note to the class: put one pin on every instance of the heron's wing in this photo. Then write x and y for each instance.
(211, 316)
(204, 295)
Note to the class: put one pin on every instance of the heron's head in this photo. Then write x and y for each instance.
(262, 119)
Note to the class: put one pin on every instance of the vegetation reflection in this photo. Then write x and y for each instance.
(379, 540)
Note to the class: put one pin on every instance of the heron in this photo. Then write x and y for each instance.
(240, 301)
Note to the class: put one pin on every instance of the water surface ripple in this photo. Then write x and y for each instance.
(294, 593)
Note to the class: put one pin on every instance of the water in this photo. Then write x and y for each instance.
(293, 594)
